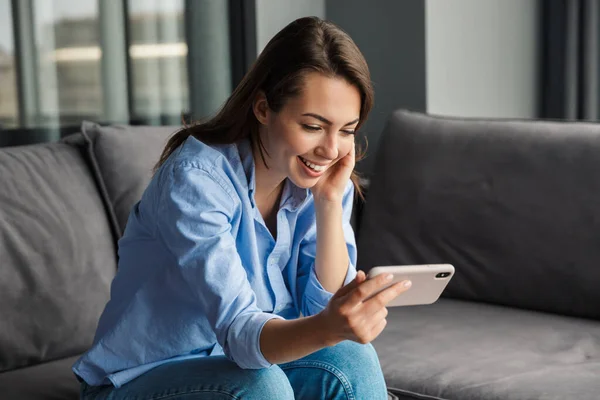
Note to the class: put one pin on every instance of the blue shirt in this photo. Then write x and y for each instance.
(199, 272)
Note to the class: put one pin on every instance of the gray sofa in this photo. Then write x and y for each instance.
(514, 205)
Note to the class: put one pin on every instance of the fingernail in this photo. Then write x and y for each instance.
(407, 284)
(389, 277)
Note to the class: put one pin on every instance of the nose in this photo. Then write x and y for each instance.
(328, 148)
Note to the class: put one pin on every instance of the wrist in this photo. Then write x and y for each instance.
(325, 336)
(328, 205)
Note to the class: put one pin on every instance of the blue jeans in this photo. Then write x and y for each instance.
(346, 371)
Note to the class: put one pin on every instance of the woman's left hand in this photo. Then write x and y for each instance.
(331, 186)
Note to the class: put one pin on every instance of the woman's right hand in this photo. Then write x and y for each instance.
(350, 316)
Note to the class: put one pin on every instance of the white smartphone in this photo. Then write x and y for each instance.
(428, 282)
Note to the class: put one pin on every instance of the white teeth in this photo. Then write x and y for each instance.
(317, 168)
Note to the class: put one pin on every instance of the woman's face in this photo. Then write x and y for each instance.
(315, 127)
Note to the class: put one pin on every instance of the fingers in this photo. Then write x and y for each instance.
(349, 159)
(380, 314)
(365, 289)
(376, 324)
(377, 329)
(382, 298)
(360, 277)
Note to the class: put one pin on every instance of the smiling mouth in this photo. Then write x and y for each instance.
(314, 167)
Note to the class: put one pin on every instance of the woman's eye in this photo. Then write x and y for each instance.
(312, 128)
(348, 132)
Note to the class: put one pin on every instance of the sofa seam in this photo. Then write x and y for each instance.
(99, 179)
(415, 395)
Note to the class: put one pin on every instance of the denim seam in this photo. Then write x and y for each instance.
(96, 389)
(194, 391)
(329, 368)
(86, 390)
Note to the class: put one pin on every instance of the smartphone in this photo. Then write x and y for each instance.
(428, 282)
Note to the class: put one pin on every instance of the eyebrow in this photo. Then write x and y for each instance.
(325, 120)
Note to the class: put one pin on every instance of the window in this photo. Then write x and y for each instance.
(8, 91)
(68, 62)
(117, 61)
(158, 56)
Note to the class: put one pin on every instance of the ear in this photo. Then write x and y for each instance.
(260, 107)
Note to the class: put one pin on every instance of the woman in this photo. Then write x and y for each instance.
(230, 261)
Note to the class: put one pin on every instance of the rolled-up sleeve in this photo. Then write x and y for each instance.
(196, 206)
(312, 297)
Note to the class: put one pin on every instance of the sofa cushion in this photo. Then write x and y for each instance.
(456, 349)
(57, 254)
(123, 157)
(514, 205)
(49, 381)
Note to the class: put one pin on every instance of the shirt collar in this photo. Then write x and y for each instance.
(291, 198)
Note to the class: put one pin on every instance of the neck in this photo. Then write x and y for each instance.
(269, 184)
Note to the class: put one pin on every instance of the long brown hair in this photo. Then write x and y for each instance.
(306, 45)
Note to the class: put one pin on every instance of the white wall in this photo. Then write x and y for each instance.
(482, 57)
(274, 15)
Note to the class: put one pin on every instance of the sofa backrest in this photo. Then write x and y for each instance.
(123, 157)
(513, 205)
(57, 254)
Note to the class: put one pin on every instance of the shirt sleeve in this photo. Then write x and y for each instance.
(195, 210)
(312, 296)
